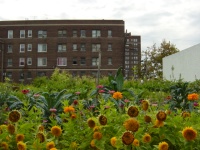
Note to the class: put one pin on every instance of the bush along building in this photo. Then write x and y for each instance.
(34, 48)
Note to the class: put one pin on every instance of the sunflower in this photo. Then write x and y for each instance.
(133, 111)
(147, 119)
(158, 123)
(19, 137)
(131, 124)
(193, 96)
(41, 128)
(102, 120)
(56, 130)
(96, 128)
(11, 128)
(91, 123)
(41, 137)
(14, 116)
(69, 109)
(92, 143)
(189, 133)
(146, 138)
(53, 148)
(127, 138)
(50, 145)
(185, 114)
(97, 135)
(117, 95)
(161, 116)
(136, 142)
(4, 146)
(145, 105)
(163, 146)
(168, 112)
(21, 145)
(113, 141)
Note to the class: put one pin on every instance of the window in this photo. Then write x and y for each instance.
(62, 33)
(29, 47)
(9, 63)
(21, 75)
(135, 49)
(29, 33)
(10, 34)
(126, 62)
(74, 47)
(62, 47)
(135, 62)
(42, 34)
(22, 48)
(96, 47)
(109, 47)
(109, 33)
(21, 61)
(135, 44)
(82, 73)
(29, 61)
(74, 33)
(42, 47)
(83, 33)
(74, 61)
(42, 61)
(9, 75)
(41, 73)
(62, 61)
(10, 48)
(82, 47)
(96, 33)
(135, 40)
(83, 61)
(109, 61)
(29, 75)
(95, 61)
(22, 33)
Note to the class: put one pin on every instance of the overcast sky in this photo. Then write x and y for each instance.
(177, 21)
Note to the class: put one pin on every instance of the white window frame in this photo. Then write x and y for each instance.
(41, 61)
(22, 48)
(96, 33)
(95, 61)
(109, 47)
(61, 61)
(83, 33)
(109, 33)
(10, 48)
(74, 47)
(62, 47)
(29, 33)
(21, 61)
(109, 61)
(10, 34)
(75, 33)
(42, 48)
(42, 34)
(22, 33)
(9, 62)
(96, 47)
(62, 33)
(29, 47)
(83, 47)
(29, 61)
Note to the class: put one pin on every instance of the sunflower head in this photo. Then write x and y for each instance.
(146, 138)
(131, 124)
(158, 123)
(91, 123)
(102, 120)
(96, 128)
(113, 141)
(163, 146)
(41, 128)
(117, 95)
(11, 128)
(21, 145)
(19, 137)
(97, 135)
(92, 143)
(161, 116)
(127, 138)
(136, 142)
(145, 105)
(185, 114)
(147, 119)
(14, 116)
(189, 133)
(56, 131)
(50, 145)
(4, 146)
(41, 137)
(133, 111)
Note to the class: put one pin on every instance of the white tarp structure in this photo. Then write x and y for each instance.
(184, 64)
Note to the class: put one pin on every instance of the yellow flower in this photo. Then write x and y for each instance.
(50, 145)
(147, 119)
(97, 135)
(136, 142)
(163, 146)
(11, 128)
(92, 143)
(102, 120)
(91, 123)
(4, 146)
(185, 114)
(21, 145)
(96, 128)
(53, 148)
(145, 105)
(161, 116)
(69, 109)
(133, 111)
(159, 123)
(14, 116)
(41, 137)
(56, 130)
(131, 124)
(127, 138)
(19, 137)
(117, 95)
(193, 96)
(189, 133)
(73, 145)
(113, 141)
(41, 128)
(146, 138)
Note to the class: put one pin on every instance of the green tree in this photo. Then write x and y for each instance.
(152, 62)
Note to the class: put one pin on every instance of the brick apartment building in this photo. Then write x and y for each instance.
(31, 48)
